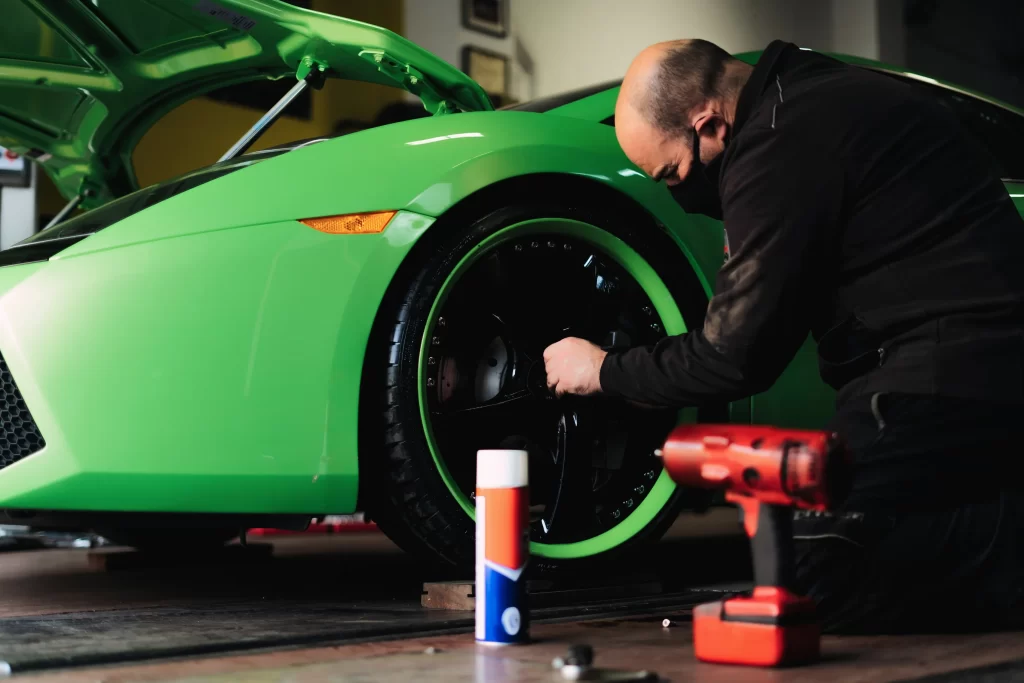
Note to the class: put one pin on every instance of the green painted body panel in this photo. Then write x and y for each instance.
(442, 160)
(86, 80)
(225, 378)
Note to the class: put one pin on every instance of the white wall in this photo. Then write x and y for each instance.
(580, 42)
(437, 26)
(17, 212)
(573, 43)
(856, 26)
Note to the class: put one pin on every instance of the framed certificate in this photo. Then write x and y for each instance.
(489, 69)
(486, 16)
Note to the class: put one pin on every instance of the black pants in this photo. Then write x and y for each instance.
(932, 536)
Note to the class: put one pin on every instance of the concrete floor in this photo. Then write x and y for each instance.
(620, 647)
(367, 564)
(325, 570)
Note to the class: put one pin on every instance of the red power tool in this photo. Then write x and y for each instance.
(767, 471)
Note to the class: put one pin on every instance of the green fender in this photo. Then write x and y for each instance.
(426, 166)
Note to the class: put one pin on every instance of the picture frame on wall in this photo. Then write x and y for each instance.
(486, 16)
(14, 170)
(490, 69)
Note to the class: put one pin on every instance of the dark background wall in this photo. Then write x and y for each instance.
(975, 43)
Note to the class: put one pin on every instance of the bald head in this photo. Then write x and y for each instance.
(668, 90)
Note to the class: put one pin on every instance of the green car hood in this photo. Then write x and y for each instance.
(82, 80)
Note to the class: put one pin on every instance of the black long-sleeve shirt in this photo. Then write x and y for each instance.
(855, 205)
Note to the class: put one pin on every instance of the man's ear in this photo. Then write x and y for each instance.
(710, 125)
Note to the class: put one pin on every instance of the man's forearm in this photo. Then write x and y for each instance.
(680, 371)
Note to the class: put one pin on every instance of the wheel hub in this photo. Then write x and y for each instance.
(591, 459)
(537, 381)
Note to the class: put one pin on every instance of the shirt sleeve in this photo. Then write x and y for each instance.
(782, 201)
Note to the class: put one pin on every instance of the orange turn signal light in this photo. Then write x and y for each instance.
(352, 223)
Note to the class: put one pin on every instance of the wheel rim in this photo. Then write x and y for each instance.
(482, 384)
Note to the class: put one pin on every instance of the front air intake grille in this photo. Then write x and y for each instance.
(19, 435)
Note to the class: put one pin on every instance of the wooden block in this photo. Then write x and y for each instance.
(452, 595)
(461, 595)
(118, 558)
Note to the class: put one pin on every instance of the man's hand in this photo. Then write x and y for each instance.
(574, 367)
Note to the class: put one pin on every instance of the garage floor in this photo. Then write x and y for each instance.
(347, 608)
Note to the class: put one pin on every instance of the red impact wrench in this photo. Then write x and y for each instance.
(767, 472)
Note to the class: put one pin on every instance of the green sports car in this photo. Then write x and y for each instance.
(340, 324)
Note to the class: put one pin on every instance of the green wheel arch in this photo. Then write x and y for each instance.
(672, 319)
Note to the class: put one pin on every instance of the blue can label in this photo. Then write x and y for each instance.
(501, 553)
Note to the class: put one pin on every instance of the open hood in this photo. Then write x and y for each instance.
(82, 80)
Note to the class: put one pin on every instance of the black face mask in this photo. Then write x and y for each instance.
(698, 193)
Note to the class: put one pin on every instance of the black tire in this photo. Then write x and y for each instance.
(404, 492)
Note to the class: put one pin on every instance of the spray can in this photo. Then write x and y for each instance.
(502, 546)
